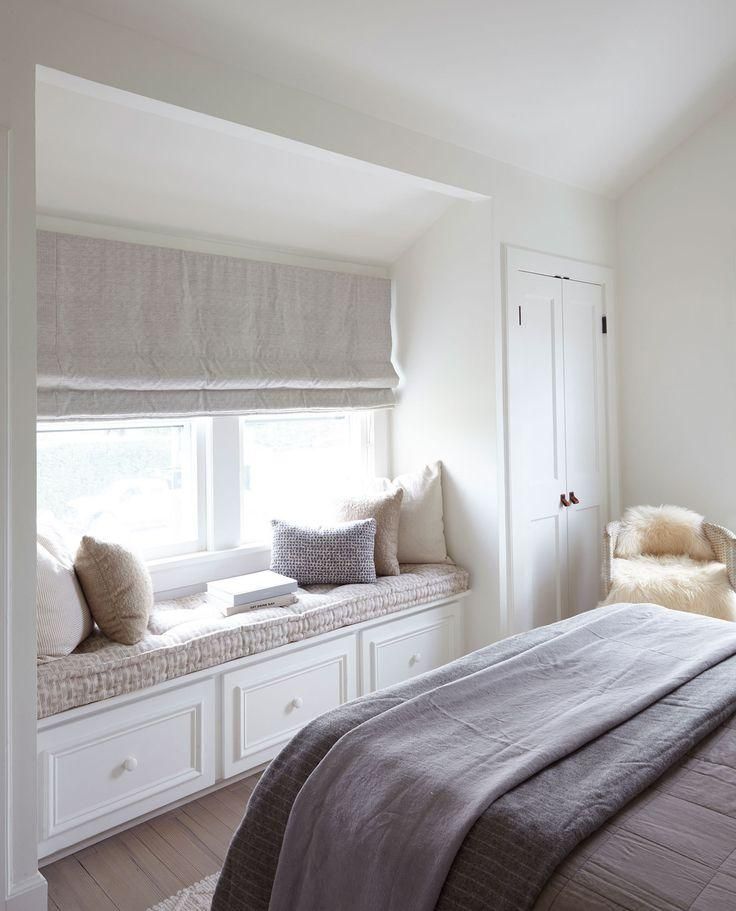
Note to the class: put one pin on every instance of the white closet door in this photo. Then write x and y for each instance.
(538, 522)
(582, 306)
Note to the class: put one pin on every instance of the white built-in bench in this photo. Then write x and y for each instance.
(125, 731)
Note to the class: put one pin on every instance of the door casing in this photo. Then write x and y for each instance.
(516, 259)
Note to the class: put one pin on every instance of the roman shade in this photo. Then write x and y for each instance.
(129, 330)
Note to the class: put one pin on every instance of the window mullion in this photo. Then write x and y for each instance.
(223, 483)
(379, 447)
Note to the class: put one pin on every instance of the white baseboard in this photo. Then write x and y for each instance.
(31, 895)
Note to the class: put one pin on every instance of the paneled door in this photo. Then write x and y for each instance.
(537, 449)
(582, 310)
(556, 445)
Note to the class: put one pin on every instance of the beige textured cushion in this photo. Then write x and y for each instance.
(117, 587)
(421, 528)
(63, 619)
(385, 508)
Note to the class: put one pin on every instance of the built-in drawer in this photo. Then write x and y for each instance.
(266, 703)
(123, 762)
(402, 648)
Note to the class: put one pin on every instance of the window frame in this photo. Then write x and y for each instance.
(198, 434)
(218, 551)
(361, 441)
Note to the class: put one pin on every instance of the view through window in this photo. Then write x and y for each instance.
(145, 482)
(293, 466)
(123, 481)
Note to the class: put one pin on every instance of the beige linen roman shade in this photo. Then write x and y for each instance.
(128, 330)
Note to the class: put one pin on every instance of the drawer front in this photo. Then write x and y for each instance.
(400, 649)
(267, 703)
(111, 767)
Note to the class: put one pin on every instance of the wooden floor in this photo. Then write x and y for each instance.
(139, 867)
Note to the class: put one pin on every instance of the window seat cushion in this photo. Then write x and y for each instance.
(190, 634)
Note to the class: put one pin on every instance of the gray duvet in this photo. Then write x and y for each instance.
(466, 788)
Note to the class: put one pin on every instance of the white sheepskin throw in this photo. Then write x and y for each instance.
(678, 582)
(660, 530)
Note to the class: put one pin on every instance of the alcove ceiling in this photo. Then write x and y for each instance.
(119, 161)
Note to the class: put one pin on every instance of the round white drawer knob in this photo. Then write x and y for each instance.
(415, 658)
(130, 764)
(297, 702)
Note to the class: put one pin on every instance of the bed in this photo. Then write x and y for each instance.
(586, 766)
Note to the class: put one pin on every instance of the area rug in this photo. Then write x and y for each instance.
(195, 898)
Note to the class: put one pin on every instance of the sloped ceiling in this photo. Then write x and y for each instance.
(590, 92)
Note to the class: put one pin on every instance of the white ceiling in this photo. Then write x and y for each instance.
(108, 162)
(591, 92)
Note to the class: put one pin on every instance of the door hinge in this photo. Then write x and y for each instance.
(604, 325)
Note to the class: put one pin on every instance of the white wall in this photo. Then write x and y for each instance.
(444, 326)
(47, 33)
(449, 348)
(677, 304)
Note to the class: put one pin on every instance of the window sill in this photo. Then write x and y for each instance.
(189, 573)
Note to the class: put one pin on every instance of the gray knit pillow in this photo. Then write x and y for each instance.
(340, 554)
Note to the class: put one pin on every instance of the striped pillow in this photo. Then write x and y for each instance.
(63, 619)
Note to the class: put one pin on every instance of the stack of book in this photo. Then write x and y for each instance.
(253, 591)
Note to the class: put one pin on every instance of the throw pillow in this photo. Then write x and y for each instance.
(63, 619)
(118, 589)
(316, 554)
(385, 508)
(421, 526)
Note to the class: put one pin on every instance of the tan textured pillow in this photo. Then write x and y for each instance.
(385, 508)
(117, 587)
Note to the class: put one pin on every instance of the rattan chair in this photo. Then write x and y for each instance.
(722, 540)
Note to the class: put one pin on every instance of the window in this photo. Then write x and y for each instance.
(292, 464)
(176, 487)
(127, 480)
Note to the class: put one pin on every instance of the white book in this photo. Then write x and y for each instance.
(229, 609)
(252, 587)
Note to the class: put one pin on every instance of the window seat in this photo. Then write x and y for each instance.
(190, 634)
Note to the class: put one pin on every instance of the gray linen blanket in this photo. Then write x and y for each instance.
(546, 694)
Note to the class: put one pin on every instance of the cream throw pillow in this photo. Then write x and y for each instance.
(63, 619)
(118, 589)
(421, 526)
(385, 508)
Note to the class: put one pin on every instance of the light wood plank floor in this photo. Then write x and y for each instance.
(143, 865)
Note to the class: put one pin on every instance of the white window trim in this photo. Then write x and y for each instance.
(381, 443)
(199, 438)
(189, 573)
(198, 544)
(223, 484)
